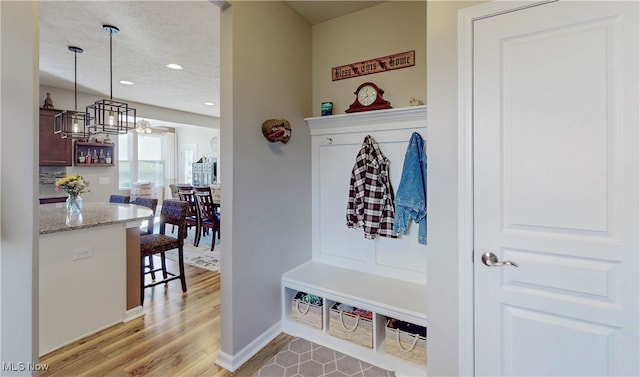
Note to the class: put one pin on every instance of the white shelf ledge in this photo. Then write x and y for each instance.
(383, 295)
(400, 118)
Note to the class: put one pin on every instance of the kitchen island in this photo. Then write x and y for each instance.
(89, 270)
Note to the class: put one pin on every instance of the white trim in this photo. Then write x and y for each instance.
(233, 362)
(465, 193)
(466, 305)
(400, 118)
(225, 361)
(133, 313)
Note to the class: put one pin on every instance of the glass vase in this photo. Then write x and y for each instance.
(74, 203)
(74, 218)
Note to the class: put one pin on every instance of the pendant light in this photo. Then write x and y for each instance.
(109, 116)
(71, 123)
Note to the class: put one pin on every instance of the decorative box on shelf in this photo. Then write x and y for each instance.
(307, 309)
(93, 154)
(142, 189)
(406, 341)
(352, 324)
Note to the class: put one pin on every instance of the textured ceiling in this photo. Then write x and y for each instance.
(152, 35)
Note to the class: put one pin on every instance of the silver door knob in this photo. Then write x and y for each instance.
(491, 260)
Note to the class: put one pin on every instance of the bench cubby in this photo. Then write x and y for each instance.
(384, 297)
(385, 276)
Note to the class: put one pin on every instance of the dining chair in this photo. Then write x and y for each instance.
(119, 199)
(215, 191)
(151, 203)
(184, 187)
(174, 190)
(193, 213)
(216, 216)
(172, 212)
(207, 211)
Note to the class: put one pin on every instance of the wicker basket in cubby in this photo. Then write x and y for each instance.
(306, 312)
(406, 345)
(353, 328)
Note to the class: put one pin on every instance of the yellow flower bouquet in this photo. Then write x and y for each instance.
(72, 185)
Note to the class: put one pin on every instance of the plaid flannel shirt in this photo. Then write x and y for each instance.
(370, 204)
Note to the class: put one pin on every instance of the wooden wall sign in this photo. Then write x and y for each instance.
(367, 67)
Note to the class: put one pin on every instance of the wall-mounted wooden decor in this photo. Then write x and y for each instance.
(276, 130)
(367, 67)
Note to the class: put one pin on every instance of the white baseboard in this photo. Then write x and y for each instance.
(233, 362)
(225, 361)
(133, 313)
(44, 349)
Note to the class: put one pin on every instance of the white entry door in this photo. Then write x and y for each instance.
(556, 171)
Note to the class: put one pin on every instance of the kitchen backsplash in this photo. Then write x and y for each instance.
(49, 174)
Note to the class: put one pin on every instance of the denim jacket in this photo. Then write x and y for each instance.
(411, 197)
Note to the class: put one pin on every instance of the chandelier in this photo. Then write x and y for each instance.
(109, 116)
(143, 127)
(71, 123)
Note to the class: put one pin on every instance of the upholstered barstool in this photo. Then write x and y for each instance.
(173, 212)
(151, 203)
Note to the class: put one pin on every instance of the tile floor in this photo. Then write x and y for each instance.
(302, 358)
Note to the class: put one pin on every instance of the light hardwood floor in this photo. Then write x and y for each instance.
(179, 335)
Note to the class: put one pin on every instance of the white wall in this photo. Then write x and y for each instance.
(442, 265)
(18, 189)
(266, 196)
(381, 30)
(91, 296)
(201, 137)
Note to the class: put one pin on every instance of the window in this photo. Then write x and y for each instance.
(124, 162)
(140, 159)
(150, 162)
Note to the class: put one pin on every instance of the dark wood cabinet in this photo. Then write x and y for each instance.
(54, 150)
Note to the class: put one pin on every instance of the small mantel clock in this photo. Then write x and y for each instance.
(368, 97)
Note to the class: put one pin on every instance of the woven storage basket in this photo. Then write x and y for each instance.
(405, 345)
(307, 313)
(356, 329)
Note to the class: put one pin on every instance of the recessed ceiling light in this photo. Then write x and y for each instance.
(174, 66)
(125, 82)
(209, 103)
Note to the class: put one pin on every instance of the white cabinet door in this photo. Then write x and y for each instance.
(556, 190)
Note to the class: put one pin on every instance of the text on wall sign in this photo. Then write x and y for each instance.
(367, 67)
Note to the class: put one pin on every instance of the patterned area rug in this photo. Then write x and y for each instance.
(302, 358)
(200, 256)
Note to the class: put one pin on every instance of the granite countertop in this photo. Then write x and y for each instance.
(55, 218)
